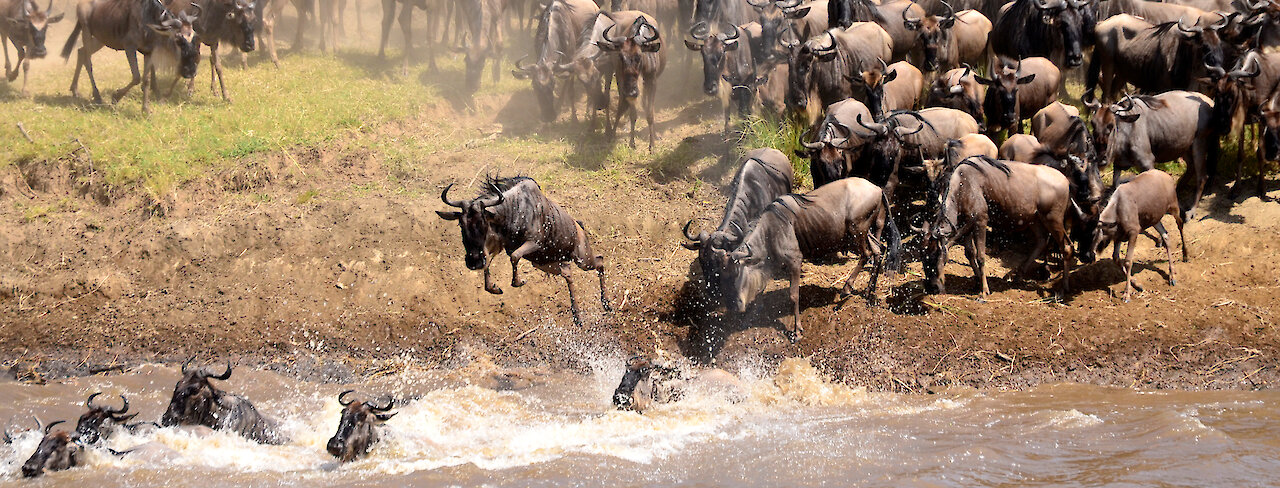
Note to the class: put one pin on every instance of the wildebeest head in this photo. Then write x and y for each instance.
(873, 82)
(641, 38)
(1064, 16)
(194, 397)
(803, 56)
(885, 143)
(97, 422)
(830, 155)
(180, 29)
(56, 452)
(772, 16)
(1228, 88)
(744, 276)
(638, 369)
(714, 47)
(474, 220)
(650, 379)
(1002, 95)
(935, 35)
(242, 14)
(30, 26)
(357, 429)
(959, 92)
(711, 247)
(543, 79)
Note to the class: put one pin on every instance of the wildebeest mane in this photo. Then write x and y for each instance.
(494, 185)
(990, 161)
(865, 11)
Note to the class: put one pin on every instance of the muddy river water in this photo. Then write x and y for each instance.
(794, 430)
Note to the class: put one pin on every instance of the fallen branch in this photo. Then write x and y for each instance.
(23, 130)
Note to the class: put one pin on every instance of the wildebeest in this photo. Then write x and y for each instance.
(57, 451)
(1056, 127)
(1086, 184)
(100, 421)
(1154, 58)
(906, 140)
(358, 427)
(513, 214)
(484, 19)
(639, 59)
(1026, 195)
(1269, 112)
(888, 15)
(560, 30)
(230, 21)
(819, 66)
(196, 401)
(835, 147)
(647, 381)
(726, 59)
(1048, 28)
(959, 89)
(1140, 131)
(848, 215)
(24, 24)
(764, 176)
(1239, 96)
(590, 67)
(406, 26)
(145, 27)
(890, 88)
(952, 39)
(1136, 205)
(1014, 92)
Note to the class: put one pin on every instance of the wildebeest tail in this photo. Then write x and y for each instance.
(892, 258)
(71, 41)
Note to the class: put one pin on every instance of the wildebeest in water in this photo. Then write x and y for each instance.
(197, 402)
(358, 427)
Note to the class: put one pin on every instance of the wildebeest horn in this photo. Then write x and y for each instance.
(908, 20)
(738, 227)
(225, 374)
(123, 408)
(884, 67)
(689, 236)
(1050, 4)
(391, 402)
(736, 33)
(524, 68)
(89, 402)
(1249, 67)
(1226, 19)
(1215, 72)
(831, 46)
(444, 196)
(500, 199)
(696, 28)
(897, 129)
(875, 127)
(760, 4)
(787, 4)
(187, 364)
(744, 254)
(342, 401)
(49, 427)
(606, 32)
(782, 38)
(1192, 30)
(640, 36)
(951, 11)
(193, 17)
(812, 145)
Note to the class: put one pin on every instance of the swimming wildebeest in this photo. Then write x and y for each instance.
(358, 427)
(513, 214)
(197, 402)
(145, 27)
(24, 24)
(101, 420)
(847, 215)
(1136, 205)
(1027, 195)
(648, 381)
(57, 451)
(764, 176)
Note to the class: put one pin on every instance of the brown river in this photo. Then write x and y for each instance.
(794, 429)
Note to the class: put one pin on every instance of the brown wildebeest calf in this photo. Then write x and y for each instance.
(1136, 205)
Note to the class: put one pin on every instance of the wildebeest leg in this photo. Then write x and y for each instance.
(1181, 237)
(562, 270)
(1042, 242)
(516, 255)
(26, 67)
(623, 106)
(795, 332)
(216, 61)
(1127, 264)
(132, 56)
(4, 45)
(406, 27)
(1059, 233)
(596, 263)
(388, 16)
(1260, 181)
(1197, 165)
(269, 29)
(87, 60)
(1168, 253)
(304, 8)
(148, 79)
(650, 94)
(1235, 182)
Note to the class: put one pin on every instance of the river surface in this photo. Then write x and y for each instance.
(794, 430)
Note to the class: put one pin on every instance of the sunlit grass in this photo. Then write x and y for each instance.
(781, 135)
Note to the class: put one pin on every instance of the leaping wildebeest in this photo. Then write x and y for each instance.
(513, 214)
(358, 427)
(848, 215)
(24, 24)
(230, 21)
(560, 31)
(133, 26)
(638, 59)
(1026, 195)
(764, 176)
(196, 401)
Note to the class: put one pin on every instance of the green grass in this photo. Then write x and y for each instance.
(783, 136)
(312, 99)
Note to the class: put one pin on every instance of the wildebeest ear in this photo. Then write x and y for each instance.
(653, 47)
(383, 417)
(799, 13)
(449, 215)
(1026, 79)
(983, 81)
(693, 46)
(693, 246)
(606, 46)
(948, 22)
(55, 19)
(1128, 118)
(889, 77)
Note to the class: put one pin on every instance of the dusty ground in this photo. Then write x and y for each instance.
(331, 254)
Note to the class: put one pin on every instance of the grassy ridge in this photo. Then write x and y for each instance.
(312, 99)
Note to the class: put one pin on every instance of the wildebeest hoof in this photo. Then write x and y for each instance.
(494, 290)
(1173, 282)
(793, 336)
(517, 283)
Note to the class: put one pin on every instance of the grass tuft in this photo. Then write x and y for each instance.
(784, 136)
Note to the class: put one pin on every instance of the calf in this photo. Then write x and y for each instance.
(358, 427)
(196, 401)
(843, 216)
(765, 175)
(1013, 92)
(638, 58)
(513, 214)
(1027, 195)
(891, 87)
(947, 44)
(1136, 205)
(24, 24)
(1139, 132)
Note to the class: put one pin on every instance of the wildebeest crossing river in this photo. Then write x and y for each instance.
(482, 426)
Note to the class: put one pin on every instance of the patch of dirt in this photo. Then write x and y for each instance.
(330, 255)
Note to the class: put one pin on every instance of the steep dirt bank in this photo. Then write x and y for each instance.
(330, 258)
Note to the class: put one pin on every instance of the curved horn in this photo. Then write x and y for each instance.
(225, 374)
(701, 26)
(501, 197)
(951, 11)
(689, 236)
(606, 32)
(444, 197)
(524, 68)
(49, 427)
(739, 228)
(199, 11)
(884, 67)
(391, 402)
(1192, 30)
(122, 409)
(897, 129)
(875, 127)
(1249, 67)
(812, 145)
(342, 401)
(908, 20)
(736, 32)
(787, 4)
(760, 4)
(641, 38)
(89, 402)
(967, 70)
(831, 46)
(187, 364)
(1226, 19)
